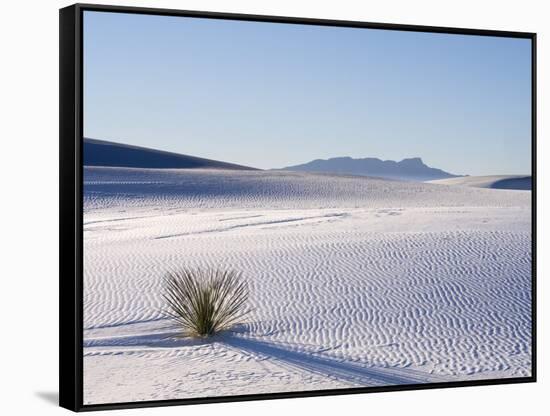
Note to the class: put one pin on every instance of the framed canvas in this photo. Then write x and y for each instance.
(258, 207)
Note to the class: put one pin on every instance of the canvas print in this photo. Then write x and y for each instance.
(278, 207)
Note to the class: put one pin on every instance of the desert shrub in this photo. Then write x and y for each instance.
(202, 302)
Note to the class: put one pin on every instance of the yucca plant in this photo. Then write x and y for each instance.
(203, 302)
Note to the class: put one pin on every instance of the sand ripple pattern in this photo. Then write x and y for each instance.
(203, 188)
(348, 288)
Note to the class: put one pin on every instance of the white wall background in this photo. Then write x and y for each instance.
(29, 204)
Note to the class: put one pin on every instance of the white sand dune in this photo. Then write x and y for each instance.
(518, 182)
(229, 189)
(354, 282)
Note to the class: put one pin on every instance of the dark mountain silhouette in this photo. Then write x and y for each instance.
(412, 169)
(104, 153)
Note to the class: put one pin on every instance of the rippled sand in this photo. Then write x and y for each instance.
(354, 281)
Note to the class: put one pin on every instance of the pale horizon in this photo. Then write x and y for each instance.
(319, 158)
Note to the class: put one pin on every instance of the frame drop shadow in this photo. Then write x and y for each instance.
(51, 397)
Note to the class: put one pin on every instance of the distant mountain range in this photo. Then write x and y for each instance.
(104, 153)
(412, 169)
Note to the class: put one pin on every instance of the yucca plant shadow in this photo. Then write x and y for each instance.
(204, 302)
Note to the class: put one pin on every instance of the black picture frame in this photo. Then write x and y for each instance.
(71, 204)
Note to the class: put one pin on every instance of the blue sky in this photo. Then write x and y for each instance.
(272, 95)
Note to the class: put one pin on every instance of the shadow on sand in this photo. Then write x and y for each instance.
(285, 355)
(346, 371)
